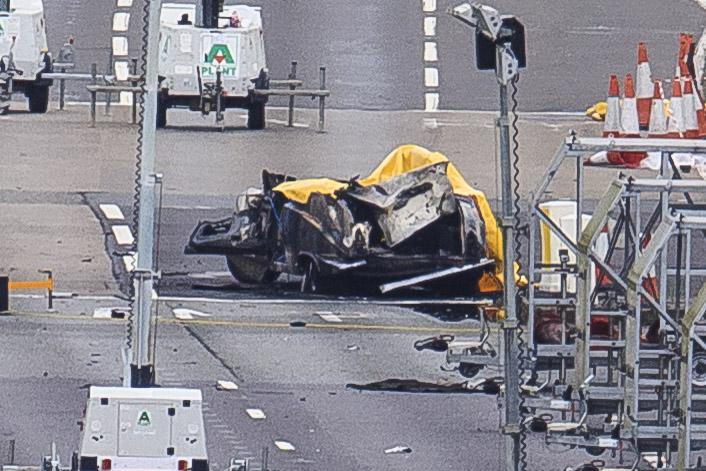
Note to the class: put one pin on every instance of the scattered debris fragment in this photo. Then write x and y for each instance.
(284, 446)
(188, 314)
(256, 414)
(398, 449)
(488, 386)
(223, 385)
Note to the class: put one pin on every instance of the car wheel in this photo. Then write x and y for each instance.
(469, 370)
(38, 99)
(256, 116)
(251, 270)
(310, 279)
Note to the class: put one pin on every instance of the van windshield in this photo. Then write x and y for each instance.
(4, 5)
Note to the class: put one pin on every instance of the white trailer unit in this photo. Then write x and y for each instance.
(143, 429)
(23, 46)
(193, 56)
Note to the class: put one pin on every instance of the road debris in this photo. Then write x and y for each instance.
(284, 446)
(256, 414)
(398, 449)
(223, 385)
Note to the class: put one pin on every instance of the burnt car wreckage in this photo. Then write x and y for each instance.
(413, 222)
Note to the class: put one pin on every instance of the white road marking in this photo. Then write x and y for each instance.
(125, 3)
(347, 302)
(209, 275)
(430, 26)
(431, 102)
(188, 314)
(103, 313)
(130, 261)
(284, 446)
(111, 211)
(121, 22)
(224, 385)
(256, 414)
(123, 234)
(120, 48)
(329, 317)
(429, 5)
(431, 77)
(431, 53)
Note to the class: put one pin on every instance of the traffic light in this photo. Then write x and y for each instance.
(512, 32)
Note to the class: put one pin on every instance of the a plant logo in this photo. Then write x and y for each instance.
(144, 419)
(219, 57)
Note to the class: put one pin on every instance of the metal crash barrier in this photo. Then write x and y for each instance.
(6, 286)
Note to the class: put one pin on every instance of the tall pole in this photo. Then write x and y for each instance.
(142, 366)
(511, 428)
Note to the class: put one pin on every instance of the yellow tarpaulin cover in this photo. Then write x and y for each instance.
(406, 159)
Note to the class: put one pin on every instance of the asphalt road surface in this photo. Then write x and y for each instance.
(375, 51)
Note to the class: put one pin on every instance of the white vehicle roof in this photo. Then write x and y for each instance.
(171, 12)
(165, 394)
(249, 16)
(27, 5)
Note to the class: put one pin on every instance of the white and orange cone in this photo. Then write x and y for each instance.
(612, 126)
(658, 120)
(685, 42)
(676, 127)
(644, 85)
(700, 113)
(691, 123)
(629, 121)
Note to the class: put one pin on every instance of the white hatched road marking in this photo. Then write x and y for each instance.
(123, 234)
(111, 211)
(284, 446)
(256, 414)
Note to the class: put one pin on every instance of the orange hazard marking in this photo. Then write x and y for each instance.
(20, 285)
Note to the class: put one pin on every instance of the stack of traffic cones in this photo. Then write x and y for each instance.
(658, 119)
(629, 118)
(675, 128)
(689, 102)
(611, 127)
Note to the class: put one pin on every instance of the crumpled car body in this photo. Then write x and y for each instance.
(407, 224)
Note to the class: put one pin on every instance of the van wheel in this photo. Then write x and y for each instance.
(161, 111)
(38, 99)
(256, 116)
(251, 270)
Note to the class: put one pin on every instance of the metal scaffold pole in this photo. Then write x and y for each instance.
(142, 362)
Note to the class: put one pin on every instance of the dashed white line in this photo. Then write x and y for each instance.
(430, 26)
(130, 261)
(430, 52)
(431, 102)
(121, 21)
(284, 446)
(123, 234)
(120, 48)
(255, 414)
(124, 3)
(429, 5)
(111, 211)
(431, 77)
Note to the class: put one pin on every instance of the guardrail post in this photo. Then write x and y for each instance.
(292, 76)
(322, 86)
(4, 293)
(62, 90)
(109, 95)
(134, 94)
(50, 289)
(94, 81)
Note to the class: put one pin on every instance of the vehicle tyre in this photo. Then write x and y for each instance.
(161, 111)
(469, 370)
(256, 116)
(310, 278)
(251, 270)
(38, 98)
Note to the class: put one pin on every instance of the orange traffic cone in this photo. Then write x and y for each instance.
(685, 42)
(644, 86)
(658, 120)
(691, 122)
(611, 127)
(676, 118)
(629, 121)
